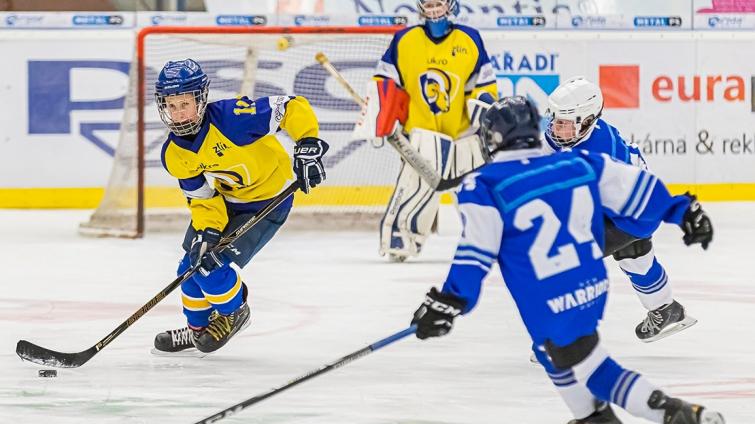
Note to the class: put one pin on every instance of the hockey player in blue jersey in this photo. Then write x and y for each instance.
(229, 165)
(540, 217)
(574, 121)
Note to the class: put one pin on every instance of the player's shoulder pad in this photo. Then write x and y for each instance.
(609, 129)
(471, 32)
(402, 33)
(241, 119)
(179, 161)
(470, 182)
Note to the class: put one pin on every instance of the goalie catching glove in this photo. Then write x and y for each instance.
(435, 317)
(308, 166)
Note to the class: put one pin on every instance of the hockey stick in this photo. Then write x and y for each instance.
(40, 355)
(312, 374)
(398, 141)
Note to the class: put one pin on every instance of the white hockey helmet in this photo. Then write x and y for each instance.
(573, 109)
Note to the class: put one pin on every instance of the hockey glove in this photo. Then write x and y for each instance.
(696, 224)
(308, 166)
(201, 254)
(435, 317)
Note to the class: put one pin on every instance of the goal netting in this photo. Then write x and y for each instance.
(255, 62)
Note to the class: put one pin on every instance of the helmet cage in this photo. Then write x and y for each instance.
(581, 126)
(185, 127)
(437, 15)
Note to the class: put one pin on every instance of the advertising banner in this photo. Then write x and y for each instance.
(683, 98)
(724, 15)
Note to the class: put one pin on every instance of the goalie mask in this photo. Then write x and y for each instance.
(181, 96)
(437, 15)
(573, 109)
(511, 123)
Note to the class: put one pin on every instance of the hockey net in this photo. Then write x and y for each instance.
(257, 62)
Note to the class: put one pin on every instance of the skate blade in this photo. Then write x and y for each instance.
(186, 353)
(687, 322)
(711, 417)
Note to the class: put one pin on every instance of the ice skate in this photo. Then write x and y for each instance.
(663, 322)
(178, 342)
(677, 411)
(222, 328)
(603, 415)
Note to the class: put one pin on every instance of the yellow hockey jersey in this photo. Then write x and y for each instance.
(235, 161)
(439, 76)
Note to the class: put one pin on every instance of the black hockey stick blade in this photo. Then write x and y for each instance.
(43, 356)
(50, 358)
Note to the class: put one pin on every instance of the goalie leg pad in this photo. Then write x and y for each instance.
(414, 204)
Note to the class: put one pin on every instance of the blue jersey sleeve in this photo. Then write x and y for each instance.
(479, 245)
(635, 199)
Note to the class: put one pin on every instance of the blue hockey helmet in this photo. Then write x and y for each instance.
(179, 78)
(438, 15)
(511, 123)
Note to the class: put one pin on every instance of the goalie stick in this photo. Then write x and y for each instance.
(43, 356)
(423, 167)
(312, 374)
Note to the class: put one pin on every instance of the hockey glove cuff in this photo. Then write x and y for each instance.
(201, 254)
(435, 317)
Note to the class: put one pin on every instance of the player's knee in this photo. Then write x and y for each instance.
(565, 357)
(635, 250)
(216, 276)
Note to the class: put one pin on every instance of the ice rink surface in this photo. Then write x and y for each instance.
(318, 296)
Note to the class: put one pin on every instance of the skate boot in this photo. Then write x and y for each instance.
(396, 258)
(677, 411)
(222, 328)
(603, 415)
(664, 321)
(172, 342)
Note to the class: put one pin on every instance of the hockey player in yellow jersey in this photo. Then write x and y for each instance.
(434, 79)
(229, 164)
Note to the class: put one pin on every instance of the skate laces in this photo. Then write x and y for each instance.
(220, 326)
(182, 336)
(652, 322)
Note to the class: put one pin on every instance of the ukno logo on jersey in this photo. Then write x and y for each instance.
(438, 89)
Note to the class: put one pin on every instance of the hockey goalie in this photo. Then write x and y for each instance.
(429, 90)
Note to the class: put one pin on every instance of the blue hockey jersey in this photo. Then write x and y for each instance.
(605, 138)
(541, 219)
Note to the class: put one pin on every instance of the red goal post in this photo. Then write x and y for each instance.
(253, 61)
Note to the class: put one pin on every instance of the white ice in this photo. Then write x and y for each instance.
(318, 296)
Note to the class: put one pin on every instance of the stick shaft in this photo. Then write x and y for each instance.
(423, 167)
(312, 374)
(43, 356)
